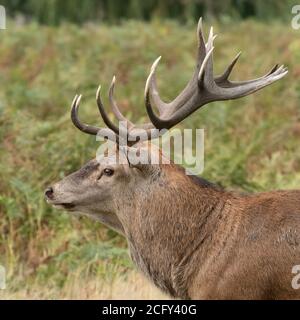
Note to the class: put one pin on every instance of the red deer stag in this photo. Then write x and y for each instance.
(191, 238)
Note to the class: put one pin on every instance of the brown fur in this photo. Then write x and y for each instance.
(193, 239)
(207, 243)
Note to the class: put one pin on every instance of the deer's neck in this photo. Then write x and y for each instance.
(172, 222)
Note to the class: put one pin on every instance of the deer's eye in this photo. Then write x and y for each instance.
(108, 172)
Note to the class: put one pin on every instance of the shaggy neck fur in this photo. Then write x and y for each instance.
(171, 223)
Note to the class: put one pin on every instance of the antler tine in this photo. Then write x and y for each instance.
(229, 69)
(114, 106)
(104, 115)
(151, 90)
(210, 36)
(208, 80)
(121, 131)
(204, 63)
(272, 70)
(151, 83)
(201, 43)
(74, 117)
(85, 127)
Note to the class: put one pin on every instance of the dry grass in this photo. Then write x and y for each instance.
(133, 287)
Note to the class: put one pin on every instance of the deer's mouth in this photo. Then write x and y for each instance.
(50, 198)
(64, 205)
(68, 205)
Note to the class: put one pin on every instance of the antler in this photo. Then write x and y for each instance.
(201, 89)
(126, 133)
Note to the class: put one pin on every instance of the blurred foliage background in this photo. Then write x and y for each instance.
(52, 50)
(55, 11)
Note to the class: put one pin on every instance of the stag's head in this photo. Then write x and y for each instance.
(106, 185)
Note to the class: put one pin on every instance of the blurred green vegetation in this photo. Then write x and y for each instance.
(251, 144)
(78, 11)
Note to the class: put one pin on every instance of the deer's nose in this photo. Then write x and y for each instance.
(49, 193)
